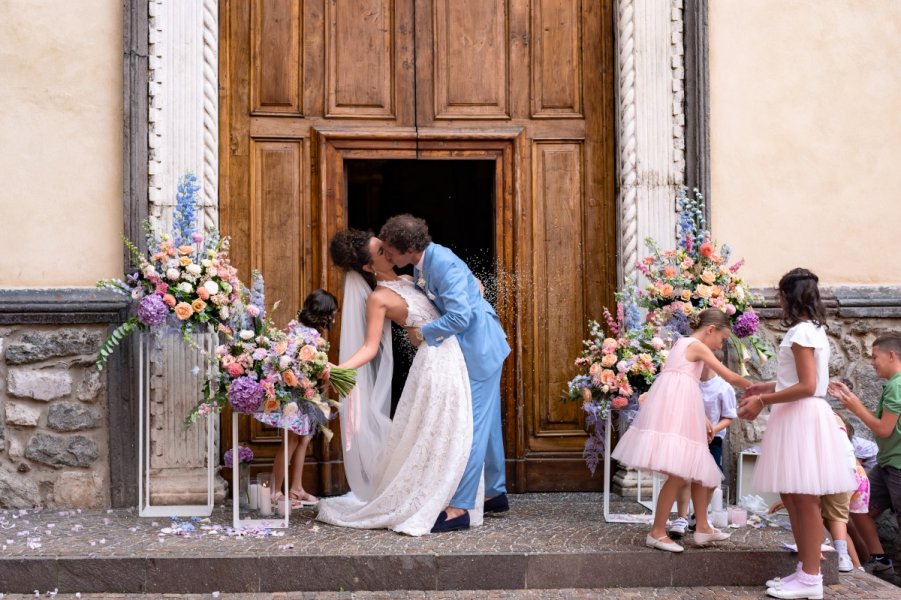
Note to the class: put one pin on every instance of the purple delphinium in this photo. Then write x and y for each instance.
(245, 455)
(152, 310)
(245, 395)
(746, 324)
(678, 323)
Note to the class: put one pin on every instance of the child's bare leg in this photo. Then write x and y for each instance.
(682, 500)
(808, 533)
(860, 546)
(297, 461)
(278, 466)
(700, 495)
(866, 525)
(665, 499)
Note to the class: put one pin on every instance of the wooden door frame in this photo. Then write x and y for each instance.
(331, 147)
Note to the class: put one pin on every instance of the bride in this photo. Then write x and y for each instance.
(402, 473)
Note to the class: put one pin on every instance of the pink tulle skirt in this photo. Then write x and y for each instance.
(669, 435)
(802, 451)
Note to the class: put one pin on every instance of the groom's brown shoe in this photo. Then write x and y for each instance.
(443, 524)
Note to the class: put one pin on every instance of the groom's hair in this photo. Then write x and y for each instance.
(406, 232)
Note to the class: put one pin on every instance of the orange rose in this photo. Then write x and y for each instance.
(686, 295)
(706, 249)
(270, 405)
(307, 353)
(290, 378)
(170, 300)
(198, 305)
(183, 311)
(184, 261)
(708, 277)
(666, 289)
(186, 249)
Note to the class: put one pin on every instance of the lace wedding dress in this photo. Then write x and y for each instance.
(429, 440)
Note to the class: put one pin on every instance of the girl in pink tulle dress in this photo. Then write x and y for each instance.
(669, 435)
(803, 455)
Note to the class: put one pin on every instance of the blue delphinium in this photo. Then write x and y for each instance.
(184, 220)
(258, 293)
(692, 227)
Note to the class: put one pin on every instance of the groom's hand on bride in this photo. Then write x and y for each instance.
(415, 336)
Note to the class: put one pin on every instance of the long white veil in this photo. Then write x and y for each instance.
(365, 413)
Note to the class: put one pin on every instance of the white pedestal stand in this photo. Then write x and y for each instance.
(274, 521)
(145, 401)
(621, 517)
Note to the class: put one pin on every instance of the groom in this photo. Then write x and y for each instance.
(455, 291)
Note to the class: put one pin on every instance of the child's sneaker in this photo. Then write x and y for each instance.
(844, 563)
(882, 565)
(678, 528)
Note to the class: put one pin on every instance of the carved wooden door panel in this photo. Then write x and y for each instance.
(308, 84)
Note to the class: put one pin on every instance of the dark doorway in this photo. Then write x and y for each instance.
(455, 197)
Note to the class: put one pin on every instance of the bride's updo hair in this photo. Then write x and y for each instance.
(710, 316)
(350, 250)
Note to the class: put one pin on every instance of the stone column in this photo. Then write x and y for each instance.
(183, 137)
(650, 123)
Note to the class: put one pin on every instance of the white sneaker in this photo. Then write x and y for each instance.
(844, 563)
(678, 528)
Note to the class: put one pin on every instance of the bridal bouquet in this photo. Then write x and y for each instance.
(695, 276)
(184, 280)
(618, 366)
(264, 369)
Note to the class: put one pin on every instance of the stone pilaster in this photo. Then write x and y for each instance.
(183, 136)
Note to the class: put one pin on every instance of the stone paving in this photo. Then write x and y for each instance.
(548, 541)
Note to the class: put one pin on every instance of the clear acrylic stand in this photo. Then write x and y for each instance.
(623, 517)
(271, 522)
(203, 343)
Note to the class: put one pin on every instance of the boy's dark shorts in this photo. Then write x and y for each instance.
(885, 488)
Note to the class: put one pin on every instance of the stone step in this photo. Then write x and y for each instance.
(548, 541)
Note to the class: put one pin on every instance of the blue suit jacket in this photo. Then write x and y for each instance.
(464, 313)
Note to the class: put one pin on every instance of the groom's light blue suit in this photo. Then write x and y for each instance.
(464, 313)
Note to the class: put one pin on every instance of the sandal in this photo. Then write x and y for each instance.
(303, 498)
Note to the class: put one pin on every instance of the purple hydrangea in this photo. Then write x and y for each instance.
(746, 324)
(245, 455)
(245, 395)
(152, 310)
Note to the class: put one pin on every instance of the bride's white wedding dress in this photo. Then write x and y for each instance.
(429, 440)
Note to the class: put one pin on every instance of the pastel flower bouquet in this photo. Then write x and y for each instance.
(264, 369)
(245, 456)
(617, 366)
(184, 281)
(695, 276)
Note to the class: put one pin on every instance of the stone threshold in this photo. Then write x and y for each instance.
(494, 571)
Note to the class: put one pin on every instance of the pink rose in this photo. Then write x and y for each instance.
(620, 402)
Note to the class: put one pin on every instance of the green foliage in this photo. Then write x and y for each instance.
(115, 338)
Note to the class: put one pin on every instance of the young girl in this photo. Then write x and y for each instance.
(719, 408)
(318, 312)
(801, 447)
(669, 435)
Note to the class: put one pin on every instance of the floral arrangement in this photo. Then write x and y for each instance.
(695, 276)
(184, 280)
(266, 369)
(245, 455)
(618, 366)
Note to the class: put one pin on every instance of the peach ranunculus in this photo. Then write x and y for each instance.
(270, 405)
(198, 305)
(706, 249)
(183, 311)
(708, 277)
(595, 369)
(170, 300)
(608, 377)
(619, 402)
(686, 295)
(186, 249)
(203, 293)
(281, 347)
(290, 378)
(666, 290)
(608, 360)
(184, 261)
(704, 291)
(234, 370)
(669, 271)
(307, 353)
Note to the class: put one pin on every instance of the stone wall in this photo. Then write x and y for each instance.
(54, 449)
